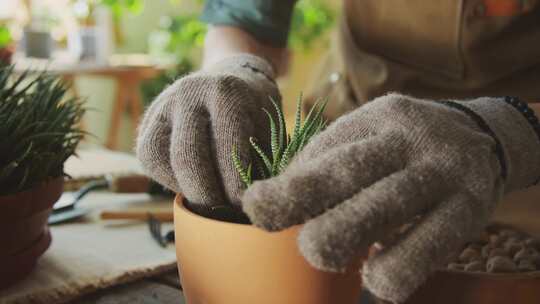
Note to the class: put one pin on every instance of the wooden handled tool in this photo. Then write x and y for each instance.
(162, 216)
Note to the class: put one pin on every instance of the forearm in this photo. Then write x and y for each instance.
(226, 41)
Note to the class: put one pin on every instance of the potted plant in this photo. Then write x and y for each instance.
(39, 131)
(234, 262)
(252, 265)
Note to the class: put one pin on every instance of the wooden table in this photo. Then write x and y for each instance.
(128, 71)
(163, 289)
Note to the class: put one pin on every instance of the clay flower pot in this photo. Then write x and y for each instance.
(227, 263)
(6, 53)
(450, 287)
(24, 235)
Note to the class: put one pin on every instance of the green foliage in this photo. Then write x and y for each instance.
(5, 36)
(311, 19)
(39, 129)
(283, 147)
(186, 34)
(118, 7)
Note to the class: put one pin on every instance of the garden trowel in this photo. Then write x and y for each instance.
(67, 209)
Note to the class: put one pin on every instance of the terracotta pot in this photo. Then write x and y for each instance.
(228, 263)
(24, 235)
(6, 53)
(518, 211)
(450, 287)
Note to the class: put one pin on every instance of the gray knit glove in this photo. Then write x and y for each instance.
(187, 135)
(398, 161)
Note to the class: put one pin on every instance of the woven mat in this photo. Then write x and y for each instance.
(92, 254)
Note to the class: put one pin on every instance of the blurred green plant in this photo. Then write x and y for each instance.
(39, 129)
(5, 36)
(183, 34)
(84, 9)
(118, 7)
(311, 19)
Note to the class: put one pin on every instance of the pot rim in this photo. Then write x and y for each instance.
(49, 180)
(180, 201)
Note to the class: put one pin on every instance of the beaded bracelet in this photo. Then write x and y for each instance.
(524, 109)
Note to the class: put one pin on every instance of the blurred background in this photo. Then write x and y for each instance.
(120, 54)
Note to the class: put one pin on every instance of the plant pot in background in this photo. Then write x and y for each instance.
(24, 235)
(6, 53)
(229, 263)
(450, 287)
(90, 43)
(37, 43)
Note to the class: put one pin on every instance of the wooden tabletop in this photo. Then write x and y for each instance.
(163, 289)
(63, 64)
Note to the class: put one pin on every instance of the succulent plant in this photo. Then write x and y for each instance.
(39, 129)
(283, 146)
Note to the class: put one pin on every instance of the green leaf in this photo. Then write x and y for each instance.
(283, 146)
(297, 118)
(245, 176)
(281, 125)
(261, 154)
(274, 142)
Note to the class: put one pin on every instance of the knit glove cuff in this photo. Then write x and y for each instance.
(255, 71)
(519, 152)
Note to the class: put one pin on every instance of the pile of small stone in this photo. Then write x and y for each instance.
(500, 250)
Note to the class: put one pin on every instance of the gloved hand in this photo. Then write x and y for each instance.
(187, 135)
(399, 161)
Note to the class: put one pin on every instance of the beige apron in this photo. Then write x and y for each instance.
(439, 50)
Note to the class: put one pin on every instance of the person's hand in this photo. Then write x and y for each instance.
(396, 161)
(188, 134)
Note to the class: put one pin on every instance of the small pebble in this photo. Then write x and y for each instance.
(496, 240)
(509, 233)
(528, 254)
(512, 247)
(456, 266)
(498, 252)
(513, 239)
(469, 254)
(483, 238)
(500, 264)
(486, 250)
(475, 266)
(533, 242)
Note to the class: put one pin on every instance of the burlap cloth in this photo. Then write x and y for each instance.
(91, 254)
